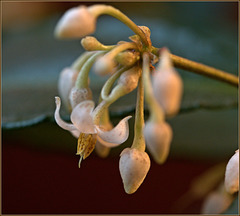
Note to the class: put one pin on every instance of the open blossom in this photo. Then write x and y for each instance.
(167, 85)
(134, 166)
(87, 132)
(232, 174)
(77, 22)
(158, 139)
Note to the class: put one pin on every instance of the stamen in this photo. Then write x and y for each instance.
(86, 144)
(80, 160)
(81, 145)
(91, 145)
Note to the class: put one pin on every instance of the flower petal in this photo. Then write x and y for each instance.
(116, 136)
(81, 117)
(60, 122)
(75, 133)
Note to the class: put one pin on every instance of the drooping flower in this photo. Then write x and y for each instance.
(158, 139)
(232, 174)
(77, 22)
(134, 166)
(167, 85)
(87, 132)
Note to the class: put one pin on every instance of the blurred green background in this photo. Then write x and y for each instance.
(205, 131)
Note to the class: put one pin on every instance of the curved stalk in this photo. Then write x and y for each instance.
(82, 79)
(98, 10)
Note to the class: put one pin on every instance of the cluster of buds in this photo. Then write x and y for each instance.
(129, 65)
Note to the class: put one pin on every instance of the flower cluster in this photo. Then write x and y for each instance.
(129, 65)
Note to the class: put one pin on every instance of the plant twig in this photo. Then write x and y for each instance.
(202, 69)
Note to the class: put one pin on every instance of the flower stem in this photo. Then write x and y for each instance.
(82, 79)
(98, 10)
(109, 83)
(139, 141)
(100, 110)
(79, 62)
(202, 69)
(156, 112)
(119, 48)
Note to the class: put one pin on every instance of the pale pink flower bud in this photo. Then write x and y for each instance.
(77, 22)
(134, 166)
(104, 66)
(216, 202)
(158, 139)
(167, 85)
(232, 174)
(66, 81)
(129, 79)
(77, 95)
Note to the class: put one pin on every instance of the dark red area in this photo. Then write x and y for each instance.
(39, 183)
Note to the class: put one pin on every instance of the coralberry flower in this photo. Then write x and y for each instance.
(216, 202)
(66, 81)
(87, 132)
(77, 22)
(158, 139)
(134, 166)
(167, 85)
(232, 174)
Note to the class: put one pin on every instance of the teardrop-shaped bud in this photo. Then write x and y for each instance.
(77, 22)
(232, 174)
(104, 66)
(77, 95)
(158, 139)
(134, 166)
(66, 81)
(167, 85)
(216, 202)
(129, 79)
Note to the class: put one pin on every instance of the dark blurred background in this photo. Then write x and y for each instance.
(39, 166)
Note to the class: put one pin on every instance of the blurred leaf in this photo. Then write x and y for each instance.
(33, 59)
